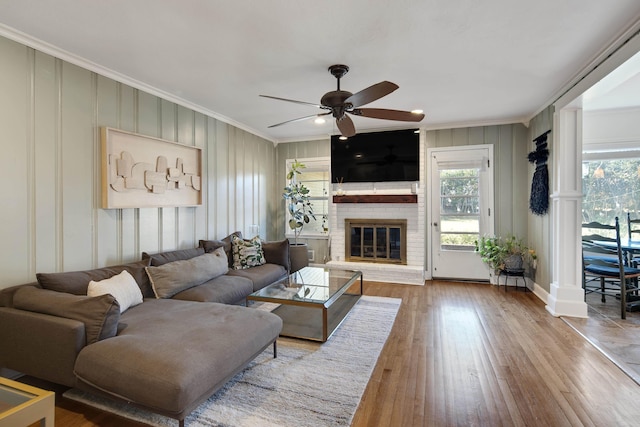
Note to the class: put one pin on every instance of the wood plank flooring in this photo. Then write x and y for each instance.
(463, 354)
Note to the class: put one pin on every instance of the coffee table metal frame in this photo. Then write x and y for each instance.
(313, 302)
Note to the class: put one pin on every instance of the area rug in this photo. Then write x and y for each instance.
(308, 385)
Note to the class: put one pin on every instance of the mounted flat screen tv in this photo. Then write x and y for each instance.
(376, 157)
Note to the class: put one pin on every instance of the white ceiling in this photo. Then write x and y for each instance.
(464, 62)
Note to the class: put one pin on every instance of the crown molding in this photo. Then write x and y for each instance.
(49, 49)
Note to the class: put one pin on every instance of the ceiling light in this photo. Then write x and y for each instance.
(319, 121)
(417, 111)
(342, 138)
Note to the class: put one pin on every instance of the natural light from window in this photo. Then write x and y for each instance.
(611, 189)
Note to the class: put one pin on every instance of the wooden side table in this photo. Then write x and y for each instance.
(22, 405)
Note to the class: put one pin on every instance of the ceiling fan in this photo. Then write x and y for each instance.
(340, 102)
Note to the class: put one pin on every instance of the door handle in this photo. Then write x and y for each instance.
(435, 224)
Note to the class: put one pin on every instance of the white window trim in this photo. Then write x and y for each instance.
(312, 164)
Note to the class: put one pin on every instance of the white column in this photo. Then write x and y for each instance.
(566, 296)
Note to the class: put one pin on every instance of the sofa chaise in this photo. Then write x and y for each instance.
(165, 346)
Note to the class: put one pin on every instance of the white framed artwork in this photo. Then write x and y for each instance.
(141, 171)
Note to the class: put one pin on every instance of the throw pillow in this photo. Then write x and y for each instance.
(76, 282)
(161, 258)
(170, 278)
(100, 314)
(247, 253)
(277, 252)
(211, 245)
(122, 286)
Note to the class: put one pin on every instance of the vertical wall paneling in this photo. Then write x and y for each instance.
(212, 180)
(108, 226)
(521, 186)
(50, 116)
(77, 166)
(250, 191)
(540, 226)
(168, 238)
(460, 136)
(46, 146)
(476, 136)
(149, 122)
(200, 136)
(232, 194)
(185, 219)
(130, 245)
(15, 127)
(222, 179)
(30, 160)
(240, 157)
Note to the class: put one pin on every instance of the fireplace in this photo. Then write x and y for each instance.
(376, 240)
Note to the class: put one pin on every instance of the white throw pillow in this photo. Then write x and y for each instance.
(123, 287)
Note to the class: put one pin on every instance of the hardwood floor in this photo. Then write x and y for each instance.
(464, 354)
(469, 354)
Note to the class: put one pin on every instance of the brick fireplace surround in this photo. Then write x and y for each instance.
(412, 210)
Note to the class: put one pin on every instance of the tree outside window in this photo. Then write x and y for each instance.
(611, 188)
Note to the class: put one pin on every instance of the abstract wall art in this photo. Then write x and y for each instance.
(140, 171)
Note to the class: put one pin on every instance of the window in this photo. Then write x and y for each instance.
(611, 188)
(459, 208)
(317, 178)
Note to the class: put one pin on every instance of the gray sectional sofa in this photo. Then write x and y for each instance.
(166, 347)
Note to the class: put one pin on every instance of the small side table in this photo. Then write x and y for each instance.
(516, 273)
(22, 405)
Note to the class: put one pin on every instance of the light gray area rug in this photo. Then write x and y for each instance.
(308, 384)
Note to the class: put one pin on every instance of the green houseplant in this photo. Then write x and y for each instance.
(298, 202)
(501, 253)
(297, 199)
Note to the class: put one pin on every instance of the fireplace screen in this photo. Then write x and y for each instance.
(376, 240)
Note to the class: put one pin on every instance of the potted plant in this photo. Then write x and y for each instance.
(504, 253)
(297, 200)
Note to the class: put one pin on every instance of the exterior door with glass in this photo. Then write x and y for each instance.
(461, 195)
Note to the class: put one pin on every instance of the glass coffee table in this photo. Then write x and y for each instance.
(22, 405)
(313, 301)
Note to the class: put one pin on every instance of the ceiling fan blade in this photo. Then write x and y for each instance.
(371, 93)
(300, 119)
(293, 100)
(383, 113)
(346, 126)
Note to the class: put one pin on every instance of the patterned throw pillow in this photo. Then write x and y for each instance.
(247, 253)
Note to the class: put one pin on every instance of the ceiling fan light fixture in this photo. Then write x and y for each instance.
(343, 138)
(341, 104)
(319, 121)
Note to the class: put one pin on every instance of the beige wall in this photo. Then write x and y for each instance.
(540, 226)
(50, 115)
